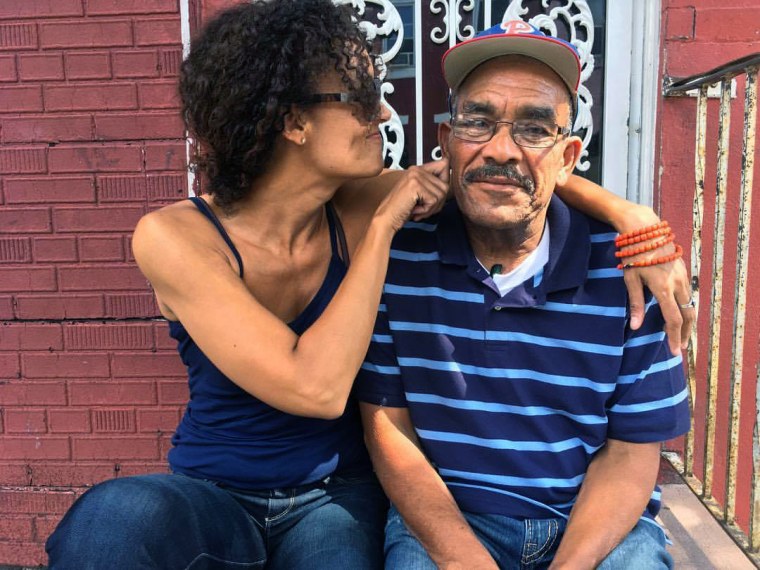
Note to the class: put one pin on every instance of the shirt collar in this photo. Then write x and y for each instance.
(569, 245)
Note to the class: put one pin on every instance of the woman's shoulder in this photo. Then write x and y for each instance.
(174, 230)
(172, 213)
(170, 224)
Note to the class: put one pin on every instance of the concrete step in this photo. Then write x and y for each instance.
(699, 541)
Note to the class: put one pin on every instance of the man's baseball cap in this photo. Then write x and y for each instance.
(513, 37)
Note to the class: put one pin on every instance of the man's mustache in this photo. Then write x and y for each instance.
(500, 171)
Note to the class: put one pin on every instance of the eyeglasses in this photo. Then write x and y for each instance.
(529, 133)
(342, 96)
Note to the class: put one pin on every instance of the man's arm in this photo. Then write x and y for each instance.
(418, 492)
(614, 494)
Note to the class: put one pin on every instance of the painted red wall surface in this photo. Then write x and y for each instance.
(699, 35)
(90, 140)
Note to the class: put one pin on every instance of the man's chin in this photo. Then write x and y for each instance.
(505, 189)
(499, 219)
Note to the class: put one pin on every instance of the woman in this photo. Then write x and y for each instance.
(268, 463)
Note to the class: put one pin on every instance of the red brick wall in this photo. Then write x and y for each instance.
(699, 35)
(90, 387)
(90, 139)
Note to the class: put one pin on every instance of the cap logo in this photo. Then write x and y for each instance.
(517, 27)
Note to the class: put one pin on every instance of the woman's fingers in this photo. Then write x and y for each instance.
(670, 285)
(420, 193)
(433, 186)
(438, 168)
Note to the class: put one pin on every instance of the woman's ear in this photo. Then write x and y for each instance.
(295, 126)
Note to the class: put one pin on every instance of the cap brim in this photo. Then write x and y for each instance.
(459, 61)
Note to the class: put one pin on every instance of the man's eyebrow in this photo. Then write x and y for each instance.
(536, 112)
(477, 107)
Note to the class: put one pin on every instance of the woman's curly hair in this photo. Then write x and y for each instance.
(246, 69)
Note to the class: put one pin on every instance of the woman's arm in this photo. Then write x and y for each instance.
(308, 375)
(669, 282)
(605, 206)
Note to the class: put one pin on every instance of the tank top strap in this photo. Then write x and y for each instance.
(337, 235)
(209, 213)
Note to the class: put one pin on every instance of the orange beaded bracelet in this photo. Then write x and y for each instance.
(656, 261)
(640, 232)
(643, 237)
(646, 247)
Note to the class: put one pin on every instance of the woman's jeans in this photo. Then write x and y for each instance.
(172, 522)
(526, 544)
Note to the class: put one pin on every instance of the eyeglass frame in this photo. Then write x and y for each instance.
(564, 131)
(341, 96)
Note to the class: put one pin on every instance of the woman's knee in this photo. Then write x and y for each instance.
(114, 509)
(141, 520)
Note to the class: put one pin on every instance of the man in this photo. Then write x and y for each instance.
(513, 417)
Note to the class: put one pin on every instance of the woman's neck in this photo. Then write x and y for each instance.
(283, 211)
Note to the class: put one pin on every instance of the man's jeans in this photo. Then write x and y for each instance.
(173, 522)
(526, 545)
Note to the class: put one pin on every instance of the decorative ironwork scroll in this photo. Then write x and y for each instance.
(577, 15)
(388, 24)
(384, 21)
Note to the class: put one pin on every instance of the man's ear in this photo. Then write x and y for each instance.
(444, 133)
(570, 156)
(295, 125)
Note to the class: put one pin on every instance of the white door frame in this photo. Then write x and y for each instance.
(631, 92)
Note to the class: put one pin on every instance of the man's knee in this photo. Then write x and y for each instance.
(643, 548)
(402, 549)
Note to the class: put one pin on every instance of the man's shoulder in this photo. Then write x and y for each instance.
(582, 242)
(595, 227)
(418, 237)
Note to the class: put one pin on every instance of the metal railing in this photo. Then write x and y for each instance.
(701, 483)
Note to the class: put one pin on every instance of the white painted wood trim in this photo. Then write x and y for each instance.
(184, 18)
(617, 90)
(631, 94)
(418, 80)
(645, 95)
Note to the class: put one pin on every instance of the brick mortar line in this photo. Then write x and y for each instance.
(84, 320)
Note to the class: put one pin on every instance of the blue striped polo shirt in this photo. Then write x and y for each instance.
(511, 397)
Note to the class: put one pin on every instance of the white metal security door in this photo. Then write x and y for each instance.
(616, 39)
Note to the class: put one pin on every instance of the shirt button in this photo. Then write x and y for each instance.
(497, 308)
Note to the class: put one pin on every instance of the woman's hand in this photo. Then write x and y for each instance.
(668, 282)
(670, 285)
(420, 193)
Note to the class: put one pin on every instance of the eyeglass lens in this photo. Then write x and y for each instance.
(525, 132)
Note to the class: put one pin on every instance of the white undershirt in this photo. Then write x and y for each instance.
(529, 266)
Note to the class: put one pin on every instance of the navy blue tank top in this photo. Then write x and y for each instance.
(228, 435)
